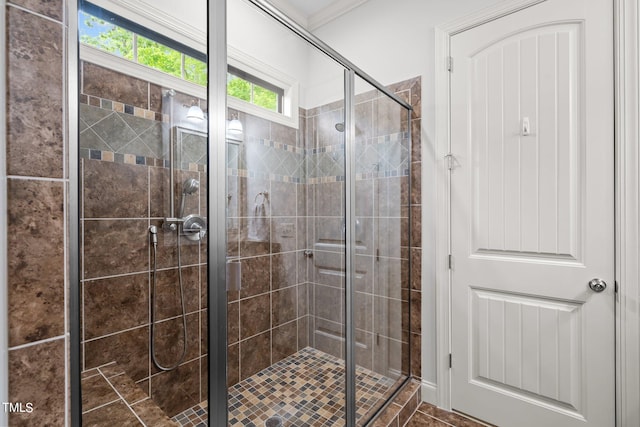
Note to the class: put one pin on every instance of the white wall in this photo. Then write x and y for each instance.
(262, 38)
(394, 41)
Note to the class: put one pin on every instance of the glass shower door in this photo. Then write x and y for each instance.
(285, 227)
(381, 283)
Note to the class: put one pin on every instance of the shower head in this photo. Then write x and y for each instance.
(190, 186)
(340, 127)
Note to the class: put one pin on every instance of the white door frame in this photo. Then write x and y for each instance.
(627, 104)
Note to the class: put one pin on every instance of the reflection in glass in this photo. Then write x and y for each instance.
(286, 227)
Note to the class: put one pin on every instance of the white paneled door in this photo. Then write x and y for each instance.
(532, 217)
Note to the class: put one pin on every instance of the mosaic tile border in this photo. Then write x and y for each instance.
(119, 107)
(275, 144)
(132, 159)
(245, 173)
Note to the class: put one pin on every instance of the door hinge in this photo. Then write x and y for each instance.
(615, 286)
(449, 64)
(450, 361)
(449, 160)
(450, 261)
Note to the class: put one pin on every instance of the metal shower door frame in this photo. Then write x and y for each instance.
(216, 187)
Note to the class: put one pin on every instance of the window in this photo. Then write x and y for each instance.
(253, 90)
(253, 87)
(258, 88)
(106, 36)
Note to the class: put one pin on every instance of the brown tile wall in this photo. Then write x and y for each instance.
(119, 202)
(37, 209)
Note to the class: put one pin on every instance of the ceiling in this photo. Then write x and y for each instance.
(312, 14)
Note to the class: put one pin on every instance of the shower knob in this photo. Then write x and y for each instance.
(597, 285)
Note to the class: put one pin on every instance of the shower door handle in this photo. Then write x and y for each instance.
(234, 275)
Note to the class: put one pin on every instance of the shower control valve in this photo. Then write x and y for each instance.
(170, 224)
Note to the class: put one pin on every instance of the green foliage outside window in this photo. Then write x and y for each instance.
(107, 37)
(110, 38)
(239, 88)
(195, 71)
(265, 98)
(160, 57)
(250, 92)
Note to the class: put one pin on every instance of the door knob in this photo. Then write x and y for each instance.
(597, 285)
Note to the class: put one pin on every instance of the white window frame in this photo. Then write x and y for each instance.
(236, 58)
(290, 99)
(126, 66)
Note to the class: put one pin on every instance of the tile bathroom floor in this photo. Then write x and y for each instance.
(305, 389)
(429, 416)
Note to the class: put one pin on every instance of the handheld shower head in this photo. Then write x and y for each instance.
(190, 186)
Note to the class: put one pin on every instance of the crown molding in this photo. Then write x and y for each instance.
(291, 11)
(320, 18)
(332, 12)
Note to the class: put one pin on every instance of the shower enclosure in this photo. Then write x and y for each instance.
(245, 246)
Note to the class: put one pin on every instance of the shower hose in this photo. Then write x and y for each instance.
(153, 231)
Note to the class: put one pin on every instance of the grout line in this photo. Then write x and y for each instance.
(191, 313)
(32, 344)
(15, 6)
(101, 406)
(37, 178)
(125, 401)
(91, 376)
(160, 270)
(141, 400)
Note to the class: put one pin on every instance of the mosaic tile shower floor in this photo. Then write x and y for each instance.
(305, 389)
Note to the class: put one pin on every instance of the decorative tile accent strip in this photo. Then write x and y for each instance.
(383, 174)
(276, 144)
(109, 105)
(133, 159)
(261, 175)
(326, 149)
